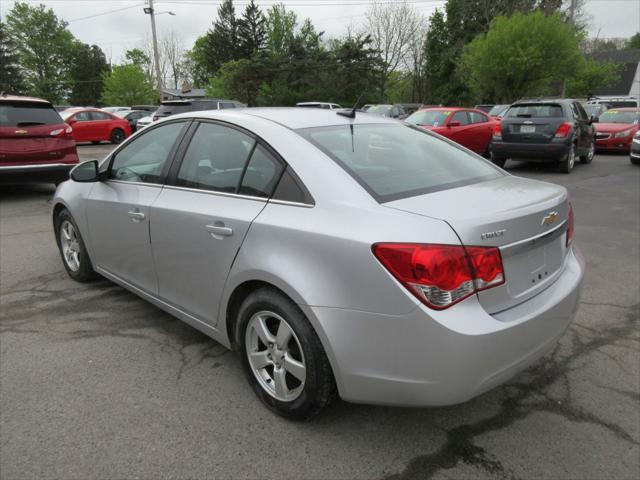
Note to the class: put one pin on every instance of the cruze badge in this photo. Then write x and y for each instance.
(496, 234)
(549, 219)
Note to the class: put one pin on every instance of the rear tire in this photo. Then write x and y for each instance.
(72, 249)
(117, 135)
(588, 158)
(566, 165)
(96, 142)
(266, 358)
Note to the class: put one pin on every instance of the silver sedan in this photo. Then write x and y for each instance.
(338, 252)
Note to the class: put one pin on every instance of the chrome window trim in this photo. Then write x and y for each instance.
(143, 184)
(290, 204)
(214, 192)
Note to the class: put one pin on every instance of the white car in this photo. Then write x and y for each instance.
(144, 122)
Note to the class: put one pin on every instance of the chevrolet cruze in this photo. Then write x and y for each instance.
(339, 252)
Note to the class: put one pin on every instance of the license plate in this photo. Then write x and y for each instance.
(527, 129)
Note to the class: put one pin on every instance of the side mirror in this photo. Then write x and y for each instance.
(594, 119)
(453, 124)
(85, 172)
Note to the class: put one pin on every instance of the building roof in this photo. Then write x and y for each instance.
(629, 60)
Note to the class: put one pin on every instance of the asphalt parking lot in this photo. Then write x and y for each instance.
(96, 383)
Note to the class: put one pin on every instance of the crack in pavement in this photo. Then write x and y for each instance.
(459, 447)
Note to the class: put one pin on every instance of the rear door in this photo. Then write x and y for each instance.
(118, 209)
(584, 131)
(532, 122)
(481, 131)
(460, 130)
(101, 125)
(200, 221)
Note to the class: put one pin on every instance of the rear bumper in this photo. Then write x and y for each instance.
(41, 172)
(541, 152)
(418, 360)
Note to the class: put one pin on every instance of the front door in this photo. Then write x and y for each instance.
(199, 223)
(118, 209)
(81, 124)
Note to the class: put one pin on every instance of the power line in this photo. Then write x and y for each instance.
(105, 13)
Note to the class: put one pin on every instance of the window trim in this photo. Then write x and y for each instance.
(170, 156)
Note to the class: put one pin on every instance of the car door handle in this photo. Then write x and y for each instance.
(136, 217)
(219, 231)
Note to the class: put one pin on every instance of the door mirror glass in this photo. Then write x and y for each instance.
(85, 172)
(454, 124)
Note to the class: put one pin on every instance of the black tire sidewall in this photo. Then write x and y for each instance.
(114, 133)
(313, 394)
(85, 272)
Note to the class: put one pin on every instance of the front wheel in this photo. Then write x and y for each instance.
(117, 136)
(566, 164)
(282, 356)
(588, 157)
(72, 249)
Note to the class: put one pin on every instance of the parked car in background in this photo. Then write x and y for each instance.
(410, 108)
(616, 128)
(497, 111)
(132, 116)
(634, 155)
(95, 125)
(469, 127)
(388, 111)
(173, 107)
(485, 107)
(115, 109)
(360, 257)
(325, 105)
(366, 107)
(144, 121)
(614, 102)
(544, 130)
(594, 110)
(35, 143)
(146, 108)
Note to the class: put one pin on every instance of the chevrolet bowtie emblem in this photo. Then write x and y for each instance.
(549, 219)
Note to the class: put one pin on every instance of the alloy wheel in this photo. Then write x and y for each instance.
(275, 356)
(70, 245)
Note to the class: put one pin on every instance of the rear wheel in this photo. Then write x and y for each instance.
(566, 164)
(72, 249)
(117, 136)
(282, 356)
(588, 157)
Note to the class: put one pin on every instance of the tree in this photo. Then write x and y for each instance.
(128, 85)
(590, 76)
(44, 47)
(513, 58)
(438, 64)
(634, 41)
(252, 34)
(88, 66)
(11, 78)
(280, 25)
(172, 53)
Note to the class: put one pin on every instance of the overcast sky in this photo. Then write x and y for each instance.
(116, 25)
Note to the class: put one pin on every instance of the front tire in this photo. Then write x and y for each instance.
(282, 356)
(588, 158)
(117, 135)
(566, 164)
(72, 249)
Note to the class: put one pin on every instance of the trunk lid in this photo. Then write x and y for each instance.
(532, 123)
(525, 218)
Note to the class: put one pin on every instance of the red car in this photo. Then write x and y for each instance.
(469, 127)
(615, 129)
(95, 125)
(35, 143)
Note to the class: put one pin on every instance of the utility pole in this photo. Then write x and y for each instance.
(156, 57)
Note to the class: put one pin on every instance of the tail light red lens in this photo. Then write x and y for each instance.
(563, 130)
(570, 226)
(497, 130)
(441, 275)
(61, 132)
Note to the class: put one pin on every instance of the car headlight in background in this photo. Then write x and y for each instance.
(624, 133)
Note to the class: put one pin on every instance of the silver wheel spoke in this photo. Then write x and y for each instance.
(284, 335)
(259, 359)
(263, 332)
(279, 378)
(295, 367)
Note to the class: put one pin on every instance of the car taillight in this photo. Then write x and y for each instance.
(61, 132)
(497, 130)
(441, 275)
(563, 130)
(570, 226)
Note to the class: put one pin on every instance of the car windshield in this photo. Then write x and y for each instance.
(498, 110)
(432, 118)
(399, 161)
(593, 110)
(620, 116)
(172, 109)
(379, 109)
(538, 110)
(23, 114)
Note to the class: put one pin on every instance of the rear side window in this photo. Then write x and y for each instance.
(399, 161)
(537, 110)
(100, 116)
(215, 159)
(477, 117)
(24, 114)
(261, 175)
(291, 189)
(460, 117)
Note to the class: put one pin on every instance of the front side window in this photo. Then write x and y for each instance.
(215, 159)
(82, 117)
(399, 161)
(143, 159)
(477, 117)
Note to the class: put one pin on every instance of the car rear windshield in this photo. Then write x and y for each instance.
(498, 110)
(620, 116)
(431, 118)
(399, 161)
(380, 109)
(173, 109)
(24, 114)
(537, 110)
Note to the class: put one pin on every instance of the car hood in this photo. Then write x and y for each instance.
(613, 127)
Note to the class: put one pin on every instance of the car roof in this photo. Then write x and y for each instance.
(625, 109)
(20, 98)
(291, 117)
